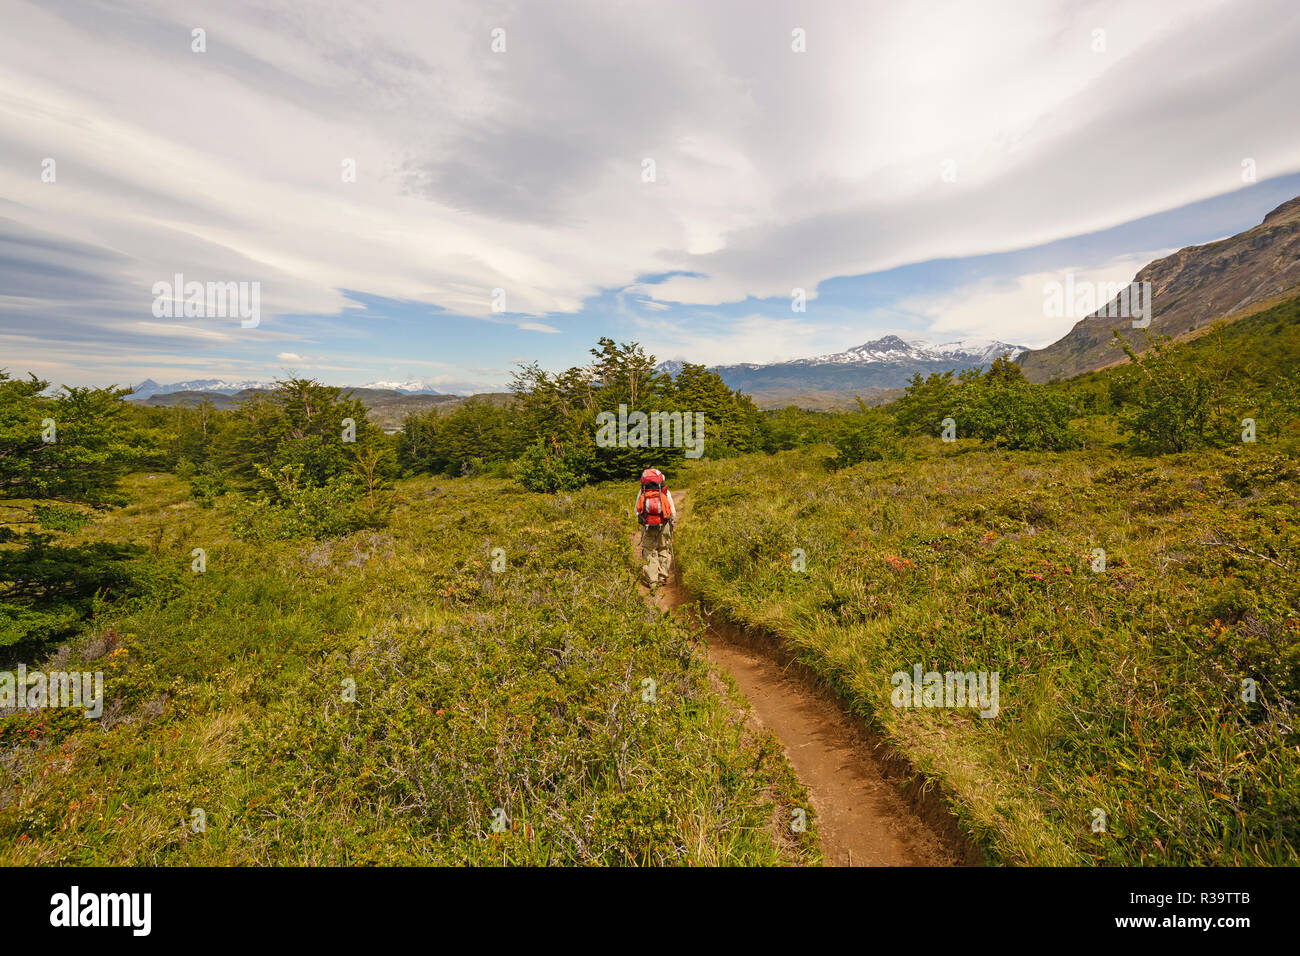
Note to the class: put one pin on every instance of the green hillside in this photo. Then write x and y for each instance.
(515, 698)
(324, 644)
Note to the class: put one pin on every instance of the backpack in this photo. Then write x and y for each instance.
(653, 506)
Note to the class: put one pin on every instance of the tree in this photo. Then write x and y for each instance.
(300, 423)
(926, 403)
(1167, 399)
(624, 373)
(732, 421)
(866, 435)
(60, 457)
(793, 426)
(1015, 414)
(450, 442)
(71, 449)
(554, 420)
(1004, 371)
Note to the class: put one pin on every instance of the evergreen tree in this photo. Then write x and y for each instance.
(59, 458)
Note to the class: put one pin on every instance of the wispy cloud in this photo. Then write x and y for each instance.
(526, 171)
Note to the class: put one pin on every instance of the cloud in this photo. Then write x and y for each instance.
(756, 338)
(289, 357)
(523, 170)
(1013, 309)
(175, 330)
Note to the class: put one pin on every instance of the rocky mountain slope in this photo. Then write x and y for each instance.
(1231, 278)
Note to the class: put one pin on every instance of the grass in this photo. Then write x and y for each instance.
(499, 717)
(400, 696)
(1120, 691)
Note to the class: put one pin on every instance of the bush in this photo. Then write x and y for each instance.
(1168, 400)
(998, 406)
(302, 509)
(207, 484)
(1259, 473)
(539, 470)
(47, 589)
(1021, 416)
(867, 436)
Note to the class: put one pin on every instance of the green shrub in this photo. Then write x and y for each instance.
(1167, 407)
(1020, 416)
(303, 509)
(47, 587)
(997, 406)
(207, 484)
(537, 469)
(1258, 473)
(866, 436)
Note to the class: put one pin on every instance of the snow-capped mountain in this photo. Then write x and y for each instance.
(220, 386)
(148, 388)
(894, 348)
(875, 366)
(413, 387)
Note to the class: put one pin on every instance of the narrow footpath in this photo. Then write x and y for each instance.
(863, 815)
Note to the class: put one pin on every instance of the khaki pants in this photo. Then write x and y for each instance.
(657, 553)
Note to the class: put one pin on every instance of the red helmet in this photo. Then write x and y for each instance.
(652, 476)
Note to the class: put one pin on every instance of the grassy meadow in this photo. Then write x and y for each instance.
(500, 716)
(325, 644)
(1121, 690)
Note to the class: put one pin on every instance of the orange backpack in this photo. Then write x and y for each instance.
(653, 506)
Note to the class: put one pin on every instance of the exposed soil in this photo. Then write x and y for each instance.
(872, 810)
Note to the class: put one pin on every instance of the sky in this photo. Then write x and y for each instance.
(436, 191)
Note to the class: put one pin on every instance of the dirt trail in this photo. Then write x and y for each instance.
(863, 817)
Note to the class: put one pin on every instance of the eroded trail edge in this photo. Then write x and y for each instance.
(873, 809)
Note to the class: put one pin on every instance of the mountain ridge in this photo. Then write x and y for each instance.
(217, 386)
(1228, 279)
(872, 369)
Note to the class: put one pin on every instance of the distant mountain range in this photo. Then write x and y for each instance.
(387, 407)
(149, 388)
(895, 350)
(220, 386)
(873, 369)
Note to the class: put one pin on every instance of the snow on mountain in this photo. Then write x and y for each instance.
(894, 348)
(149, 387)
(889, 350)
(871, 368)
(413, 387)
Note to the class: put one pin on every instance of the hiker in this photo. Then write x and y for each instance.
(655, 511)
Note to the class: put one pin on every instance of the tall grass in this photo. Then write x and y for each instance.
(1121, 691)
(500, 716)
